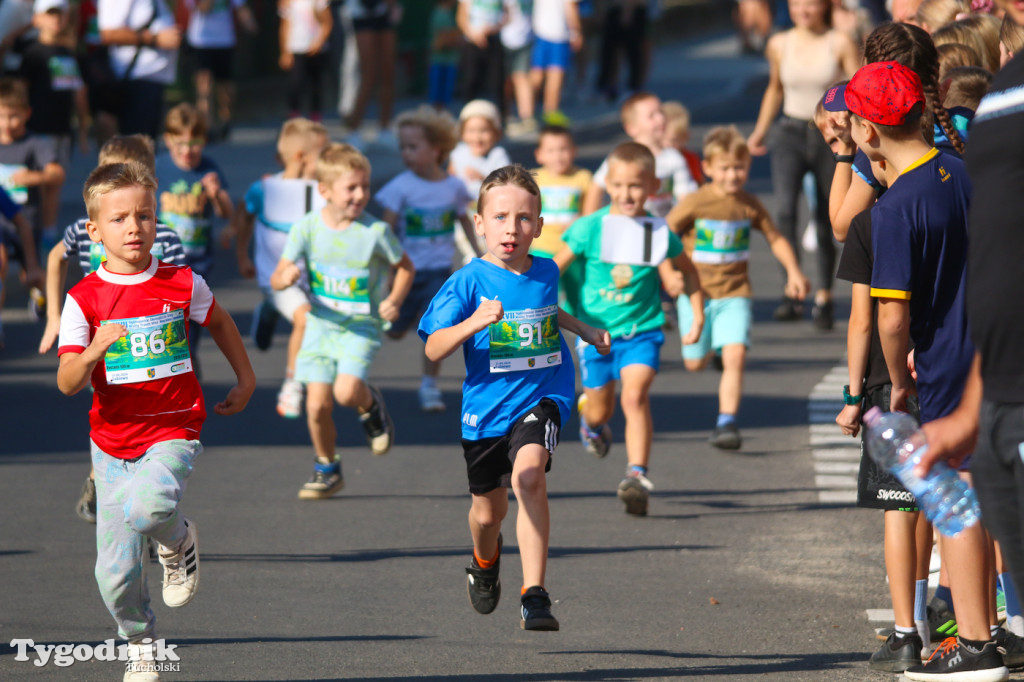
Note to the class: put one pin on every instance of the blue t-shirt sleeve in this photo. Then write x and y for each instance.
(447, 309)
(254, 198)
(893, 273)
(8, 208)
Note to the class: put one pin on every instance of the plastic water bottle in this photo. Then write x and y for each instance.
(897, 444)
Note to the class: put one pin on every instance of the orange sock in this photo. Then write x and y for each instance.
(483, 563)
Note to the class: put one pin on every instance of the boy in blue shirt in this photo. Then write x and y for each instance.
(503, 310)
(919, 235)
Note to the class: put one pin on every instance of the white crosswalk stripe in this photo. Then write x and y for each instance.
(836, 457)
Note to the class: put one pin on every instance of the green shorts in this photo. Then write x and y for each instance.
(329, 350)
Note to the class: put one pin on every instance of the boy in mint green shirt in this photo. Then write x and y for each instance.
(621, 248)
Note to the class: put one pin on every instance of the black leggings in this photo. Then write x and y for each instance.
(306, 75)
(484, 72)
(798, 147)
(630, 40)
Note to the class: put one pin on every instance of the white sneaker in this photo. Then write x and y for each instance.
(289, 399)
(430, 399)
(181, 568)
(810, 238)
(140, 666)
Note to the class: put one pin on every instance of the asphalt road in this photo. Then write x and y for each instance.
(738, 570)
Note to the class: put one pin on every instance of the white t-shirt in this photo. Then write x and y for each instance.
(159, 66)
(213, 29)
(303, 26)
(516, 33)
(461, 159)
(674, 174)
(549, 22)
(484, 13)
(278, 203)
(428, 215)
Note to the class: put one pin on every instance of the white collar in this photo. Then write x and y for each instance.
(135, 278)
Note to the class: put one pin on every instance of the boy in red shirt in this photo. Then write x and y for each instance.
(125, 328)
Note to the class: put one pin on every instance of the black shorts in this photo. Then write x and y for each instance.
(876, 487)
(376, 24)
(489, 460)
(216, 60)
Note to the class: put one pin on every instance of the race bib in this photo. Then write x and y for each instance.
(156, 347)
(425, 222)
(525, 339)
(633, 241)
(721, 241)
(19, 193)
(561, 204)
(194, 233)
(344, 290)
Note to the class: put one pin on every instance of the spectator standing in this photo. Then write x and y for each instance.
(483, 60)
(305, 28)
(374, 22)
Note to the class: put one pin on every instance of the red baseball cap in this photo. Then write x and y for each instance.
(883, 93)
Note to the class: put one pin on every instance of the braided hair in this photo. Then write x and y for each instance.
(913, 48)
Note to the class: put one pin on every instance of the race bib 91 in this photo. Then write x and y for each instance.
(525, 340)
(156, 347)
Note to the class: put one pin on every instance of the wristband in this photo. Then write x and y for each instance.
(843, 158)
(850, 399)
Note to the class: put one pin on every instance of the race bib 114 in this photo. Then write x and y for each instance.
(156, 347)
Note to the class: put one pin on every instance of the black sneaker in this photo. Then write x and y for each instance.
(789, 310)
(380, 430)
(483, 584)
(955, 662)
(536, 610)
(1011, 647)
(86, 507)
(941, 620)
(263, 322)
(897, 654)
(325, 481)
(824, 316)
(716, 363)
(726, 437)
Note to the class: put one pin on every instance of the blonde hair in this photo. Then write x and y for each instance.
(627, 108)
(112, 177)
(725, 140)
(952, 55)
(514, 175)
(438, 128)
(338, 159)
(633, 152)
(967, 85)
(292, 138)
(934, 14)
(185, 119)
(1011, 35)
(677, 117)
(128, 148)
(13, 93)
(978, 31)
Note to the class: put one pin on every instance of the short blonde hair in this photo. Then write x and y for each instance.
(185, 119)
(438, 128)
(979, 31)
(13, 93)
(292, 137)
(725, 140)
(626, 110)
(514, 175)
(1011, 35)
(338, 159)
(128, 148)
(677, 117)
(967, 85)
(634, 152)
(953, 55)
(934, 14)
(112, 177)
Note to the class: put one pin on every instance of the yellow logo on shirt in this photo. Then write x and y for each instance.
(944, 174)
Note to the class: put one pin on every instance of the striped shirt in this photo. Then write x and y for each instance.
(167, 246)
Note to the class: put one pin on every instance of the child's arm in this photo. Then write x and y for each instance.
(286, 59)
(894, 332)
(592, 199)
(75, 368)
(404, 273)
(225, 334)
(797, 284)
(564, 258)
(444, 342)
(217, 194)
(467, 228)
(285, 274)
(572, 20)
(56, 274)
(242, 222)
(326, 22)
(52, 175)
(598, 338)
(858, 344)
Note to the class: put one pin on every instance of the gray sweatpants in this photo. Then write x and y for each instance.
(136, 498)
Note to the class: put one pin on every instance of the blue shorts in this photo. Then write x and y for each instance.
(597, 370)
(330, 350)
(441, 83)
(547, 55)
(726, 321)
(425, 285)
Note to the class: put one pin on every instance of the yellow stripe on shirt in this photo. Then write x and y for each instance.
(890, 293)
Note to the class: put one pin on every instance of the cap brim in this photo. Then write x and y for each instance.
(835, 99)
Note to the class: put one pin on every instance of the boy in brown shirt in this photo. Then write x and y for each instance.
(715, 224)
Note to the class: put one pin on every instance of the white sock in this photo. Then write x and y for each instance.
(903, 632)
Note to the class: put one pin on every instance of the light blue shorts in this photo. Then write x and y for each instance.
(597, 370)
(726, 321)
(329, 350)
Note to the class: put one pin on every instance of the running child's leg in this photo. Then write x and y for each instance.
(353, 392)
(533, 524)
(730, 388)
(319, 405)
(636, 407)
(485, 517)
(295, 339)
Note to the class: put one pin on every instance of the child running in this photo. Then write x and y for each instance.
(423, 205)
(715, 223)
(503, 310)
(125, 329)
(621, 248)
(346, 255)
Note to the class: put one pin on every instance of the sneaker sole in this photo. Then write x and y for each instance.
(727, 443)
(635, 498)
(195, 587)
(83, 513)
(539, 624)
(321, 494)
(988, 675)
(892, 666)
